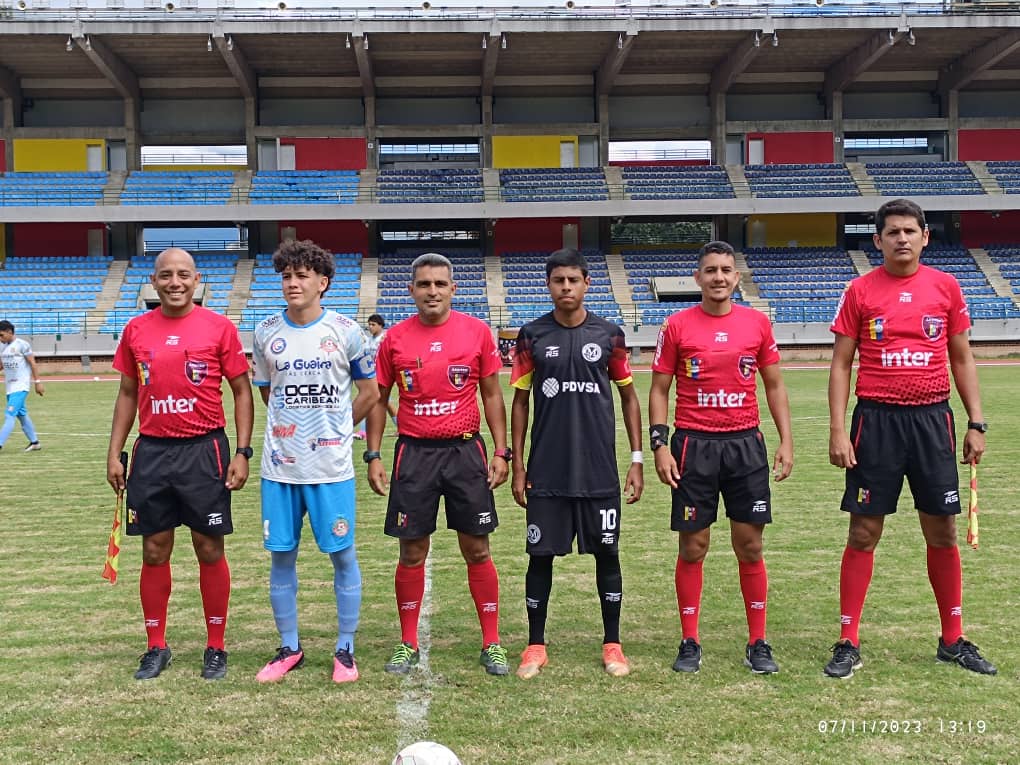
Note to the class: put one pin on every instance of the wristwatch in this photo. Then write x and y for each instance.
(245, 451)
(980, 427)
(368, 456)
(507, 453)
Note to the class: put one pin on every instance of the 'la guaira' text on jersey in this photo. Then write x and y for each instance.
(309, 370)
(714, 360)
(902, 325)
(436, 369)
(17, 372)
(179, 363)
(573, 434)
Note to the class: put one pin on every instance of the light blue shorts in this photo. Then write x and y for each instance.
(16, 404)
(330, 509)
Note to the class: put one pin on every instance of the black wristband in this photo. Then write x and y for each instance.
(658, 436)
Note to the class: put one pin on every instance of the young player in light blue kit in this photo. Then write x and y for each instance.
(20, 374)
(306, 360)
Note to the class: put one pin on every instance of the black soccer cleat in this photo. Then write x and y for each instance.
(846, 657)
(964, 653)
(759, 658)
(689, 657)
(153, 661)
(214, 664)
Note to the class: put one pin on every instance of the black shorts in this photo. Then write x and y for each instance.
(891, 442)
(733, 464)
(175, 481)
(424, 470)
(553, 522)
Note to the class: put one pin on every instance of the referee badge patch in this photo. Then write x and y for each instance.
(933, 327)
(196, 371)
(745, 365)
(458, 375)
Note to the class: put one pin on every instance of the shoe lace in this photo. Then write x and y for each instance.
(150, 658)
(343, 656)
(496, 655)
(284, 652)
(401, 654)
(761, 650)
(216, 660)
(967, 651)
(688, 649)
(842, 651)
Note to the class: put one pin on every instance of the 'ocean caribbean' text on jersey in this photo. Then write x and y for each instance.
(179, 363)
(573, 436)
(437, 369)
(714, 360)
(902, 325)
(309, 370)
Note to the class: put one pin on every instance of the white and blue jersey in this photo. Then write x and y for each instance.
(309, 371)
(17, 372)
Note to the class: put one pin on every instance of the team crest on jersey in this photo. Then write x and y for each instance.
(745, 365)
(279, 345)
(591, 352)
(458, 375)
(341, 527)
(933, 327)
(196, 371)
(328, 345)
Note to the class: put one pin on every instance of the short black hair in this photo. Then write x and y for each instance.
(6, 325)
(377, 319)
(304, 253)
(567, 257)
(717, 247)
(903, 207)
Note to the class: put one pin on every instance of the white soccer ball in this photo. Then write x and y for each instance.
(425, 753)
(96, 378)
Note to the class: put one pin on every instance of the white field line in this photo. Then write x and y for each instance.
(413, 706)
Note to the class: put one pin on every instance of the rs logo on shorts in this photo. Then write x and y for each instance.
(951, 497)
(214, 519)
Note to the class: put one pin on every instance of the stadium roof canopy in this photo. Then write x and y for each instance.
(142, 48)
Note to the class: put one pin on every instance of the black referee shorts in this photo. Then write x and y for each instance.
(891, 442)
(734, 464)
(424, 470)
(179, 481)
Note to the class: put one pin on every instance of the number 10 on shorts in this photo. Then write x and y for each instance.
(608, 518)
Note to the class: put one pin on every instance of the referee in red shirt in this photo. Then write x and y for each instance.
(904, 320)
(439, 359)
(171, 362)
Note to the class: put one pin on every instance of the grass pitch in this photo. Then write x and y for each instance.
(69, 641)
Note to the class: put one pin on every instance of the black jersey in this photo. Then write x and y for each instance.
(573, 428)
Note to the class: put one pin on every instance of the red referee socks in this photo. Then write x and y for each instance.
(214, 581)
(754, 585)
(154, 584)
(483, 581)
(689, 581)
(946, 579)
(409, 586)
(854, 580)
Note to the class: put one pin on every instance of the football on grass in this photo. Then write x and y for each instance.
(425, 753)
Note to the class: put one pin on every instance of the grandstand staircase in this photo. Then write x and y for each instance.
(748, 288)
(241, 187)
(490, 184)
(861, 262)
(108, 295)
(621, 288)
(240, 290)
(614, 180)
(368, 295)
(114, 185)
(865, 183)
(741, 187)
(367, 187)
(495, 294)
(988, 182)
(990, 269)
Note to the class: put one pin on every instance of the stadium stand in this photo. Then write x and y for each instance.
(923, 178)
(289, 187)
(177, 187)
(51, 295)
(266, 295)
(801, 180)
(553, 184)
(1007, 174)
(527, 296)
(803, 284)
(696, 182)
(71, 189)
(426, 186)
(394, 302)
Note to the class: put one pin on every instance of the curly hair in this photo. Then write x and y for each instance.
(305, 253)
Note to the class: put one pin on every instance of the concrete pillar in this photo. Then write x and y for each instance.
(251, 121)
(603, 120)
(717, 126)
(485, 149)
(132, 142)
(371, 134)
(834, 108)
(951, 104)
